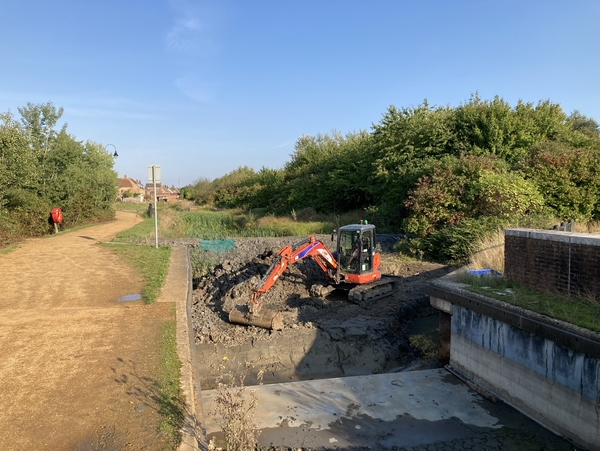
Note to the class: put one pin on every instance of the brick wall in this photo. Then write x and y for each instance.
(561, 262)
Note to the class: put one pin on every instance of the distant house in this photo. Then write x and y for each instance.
(131, 190)
(163, 193)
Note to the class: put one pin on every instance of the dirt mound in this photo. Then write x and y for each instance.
(323, 336)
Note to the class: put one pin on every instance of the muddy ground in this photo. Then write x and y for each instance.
(323, 336)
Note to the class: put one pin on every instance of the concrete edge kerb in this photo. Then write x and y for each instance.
(200, 428)
(193, 437)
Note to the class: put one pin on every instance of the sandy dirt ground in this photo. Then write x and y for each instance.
(76, 366)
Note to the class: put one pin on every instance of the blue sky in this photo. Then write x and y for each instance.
(202, 87)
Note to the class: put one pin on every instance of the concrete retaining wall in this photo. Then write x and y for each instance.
(552, 384)
(550, 373)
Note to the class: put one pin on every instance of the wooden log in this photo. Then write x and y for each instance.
(265, 318)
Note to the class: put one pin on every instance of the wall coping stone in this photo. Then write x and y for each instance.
(555, 235)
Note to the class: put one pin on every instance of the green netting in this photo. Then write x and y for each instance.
(216, 246)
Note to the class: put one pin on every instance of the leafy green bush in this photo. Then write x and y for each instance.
(457, 242)
(469, 187)
(42, 168)
(568, 178)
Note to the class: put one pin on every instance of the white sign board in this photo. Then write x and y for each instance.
(156, 178)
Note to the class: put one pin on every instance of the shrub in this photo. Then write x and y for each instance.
(458, 242)
(469, 187)
(567, 177)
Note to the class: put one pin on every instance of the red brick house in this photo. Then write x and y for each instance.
(163, 193)
(131, 190)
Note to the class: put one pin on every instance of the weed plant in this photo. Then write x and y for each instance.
(425, 344)
(234, 408)
(202, 262)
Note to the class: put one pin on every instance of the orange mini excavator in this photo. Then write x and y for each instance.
(353, 267)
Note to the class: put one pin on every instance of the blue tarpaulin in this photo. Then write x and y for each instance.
(484, 272)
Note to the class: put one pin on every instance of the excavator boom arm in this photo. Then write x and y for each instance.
(309, 247)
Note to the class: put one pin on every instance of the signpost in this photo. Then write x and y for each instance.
(154, 178)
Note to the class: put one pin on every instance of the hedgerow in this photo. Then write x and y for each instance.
(435, 173)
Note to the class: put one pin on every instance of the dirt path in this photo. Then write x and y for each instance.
(76, 366)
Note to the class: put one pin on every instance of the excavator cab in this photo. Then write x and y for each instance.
(356, 248)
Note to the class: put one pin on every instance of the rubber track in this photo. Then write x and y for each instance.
(376, 290)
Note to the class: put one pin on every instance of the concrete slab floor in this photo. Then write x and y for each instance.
(387, 411)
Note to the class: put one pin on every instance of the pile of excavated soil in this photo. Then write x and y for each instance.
(323, 336)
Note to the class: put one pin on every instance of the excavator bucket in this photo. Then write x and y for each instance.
(265, 318)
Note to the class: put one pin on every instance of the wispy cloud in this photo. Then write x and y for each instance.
(184, 36)
(114, 114)
(191, 34)
(192, 87)
(107, 106)
(191, 39)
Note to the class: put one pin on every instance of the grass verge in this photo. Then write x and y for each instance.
(151, 262)
(170, 399)
(9, 249)
(144, 229)
(140, 208)
(582, 312)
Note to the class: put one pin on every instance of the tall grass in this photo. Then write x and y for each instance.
(489, 252)
(219, 225)
(588, 227)
(141, 208)
(185, 220)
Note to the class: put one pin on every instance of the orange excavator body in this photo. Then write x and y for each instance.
(355, 262)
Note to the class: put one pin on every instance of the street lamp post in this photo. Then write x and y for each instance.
(115, 155)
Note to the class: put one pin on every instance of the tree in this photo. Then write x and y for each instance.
(581, 123)
(567, 177)
(42, 167)
(406, 144)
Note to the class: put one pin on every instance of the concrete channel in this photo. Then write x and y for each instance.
(420, 410)
(417, 410)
